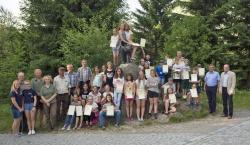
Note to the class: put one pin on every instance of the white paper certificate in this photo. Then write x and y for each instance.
(147, 73)
(143, 42)
(172, 98)
(194, 78)
(201, 72)
(165, 68)
(71, 110)
(141, 93)
(78, 110)
(170, 62)
(110, 110)
(119, 86)
(176, 75)
(130, 94)
(87, 110)
(194, 93)
(185, 75)
(113, 41)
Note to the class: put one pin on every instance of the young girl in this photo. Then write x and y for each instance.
(103, 113)
(17, 107)
(84, 93)
(109, 74)
(89, 119)
(96, 95)
(185, 78)
(141, 93)
(30, 101)
(169, 107)
(153, 93)
(97, 81)
(70, 118)
(118, 83)
(177, 75)
(129, 92)
(115, 49)
(107, 91)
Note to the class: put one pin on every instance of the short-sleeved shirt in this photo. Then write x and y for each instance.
(212, 78)
(47, 92)
(29, 96)
(96, 97)
(36, 85)
(97, 81)
(18, 97)
(153, 84)
(159, 71)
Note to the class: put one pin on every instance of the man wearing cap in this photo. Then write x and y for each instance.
(61, 84)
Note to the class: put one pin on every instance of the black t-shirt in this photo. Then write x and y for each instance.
(84, 94)
(29, 96)
(110, 75)
(18, 97)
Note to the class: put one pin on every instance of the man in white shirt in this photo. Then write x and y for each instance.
(227, 89)
(61, 84)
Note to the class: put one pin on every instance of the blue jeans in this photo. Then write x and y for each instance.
(117, 98)
(102, 117)
(69, 120)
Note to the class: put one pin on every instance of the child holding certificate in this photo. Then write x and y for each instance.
(97, 81)
(109, 109)
(71, 114)
(197, 84)
(83, 93)
(129, 92)
(118, 83)
(96, 95)
(90, 115)
(177, 75)
(185, 78)
(109, 74)
(193, 96)
(169, 106)
(141, 93)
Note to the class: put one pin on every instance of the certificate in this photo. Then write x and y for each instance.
(194, 93)
(141, 93)
(165, 68)
(129, 94)
(147, 73)
(87, 110)
(143, 42)
(110, 110)
(78, 110)
(176, 76)
(185, 75)
(172, 98)
(113, 41)
(201, 72)
(119, 86)
(170, 62)
(194, 78)
(71, 110)
(152, 67)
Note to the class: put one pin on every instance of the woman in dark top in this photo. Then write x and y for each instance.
(17, 107)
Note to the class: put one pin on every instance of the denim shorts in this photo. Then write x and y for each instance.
(16, 113)
(28, 107)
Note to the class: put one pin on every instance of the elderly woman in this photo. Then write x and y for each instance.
(48, 95)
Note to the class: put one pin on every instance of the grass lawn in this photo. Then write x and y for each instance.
(241, 102)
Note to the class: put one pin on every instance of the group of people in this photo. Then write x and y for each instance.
(104, 90)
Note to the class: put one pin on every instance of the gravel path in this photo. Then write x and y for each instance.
(212, 130)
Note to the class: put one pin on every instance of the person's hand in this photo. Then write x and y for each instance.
(48, 104)
(20, 109)
(33, 108)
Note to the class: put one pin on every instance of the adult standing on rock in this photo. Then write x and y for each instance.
(212, 80)
(227, 89)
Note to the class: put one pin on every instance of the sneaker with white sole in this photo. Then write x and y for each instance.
(30, 132)
(68, 128)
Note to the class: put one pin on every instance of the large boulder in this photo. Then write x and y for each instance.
(130, 68)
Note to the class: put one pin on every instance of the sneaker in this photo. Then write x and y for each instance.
(33, 132)
(30, 132)
(68, 129)
(230, 117)
(156, 116)
(103, 127)
(63, 128)
(116, 125)
(18, 135)
(142, 119)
